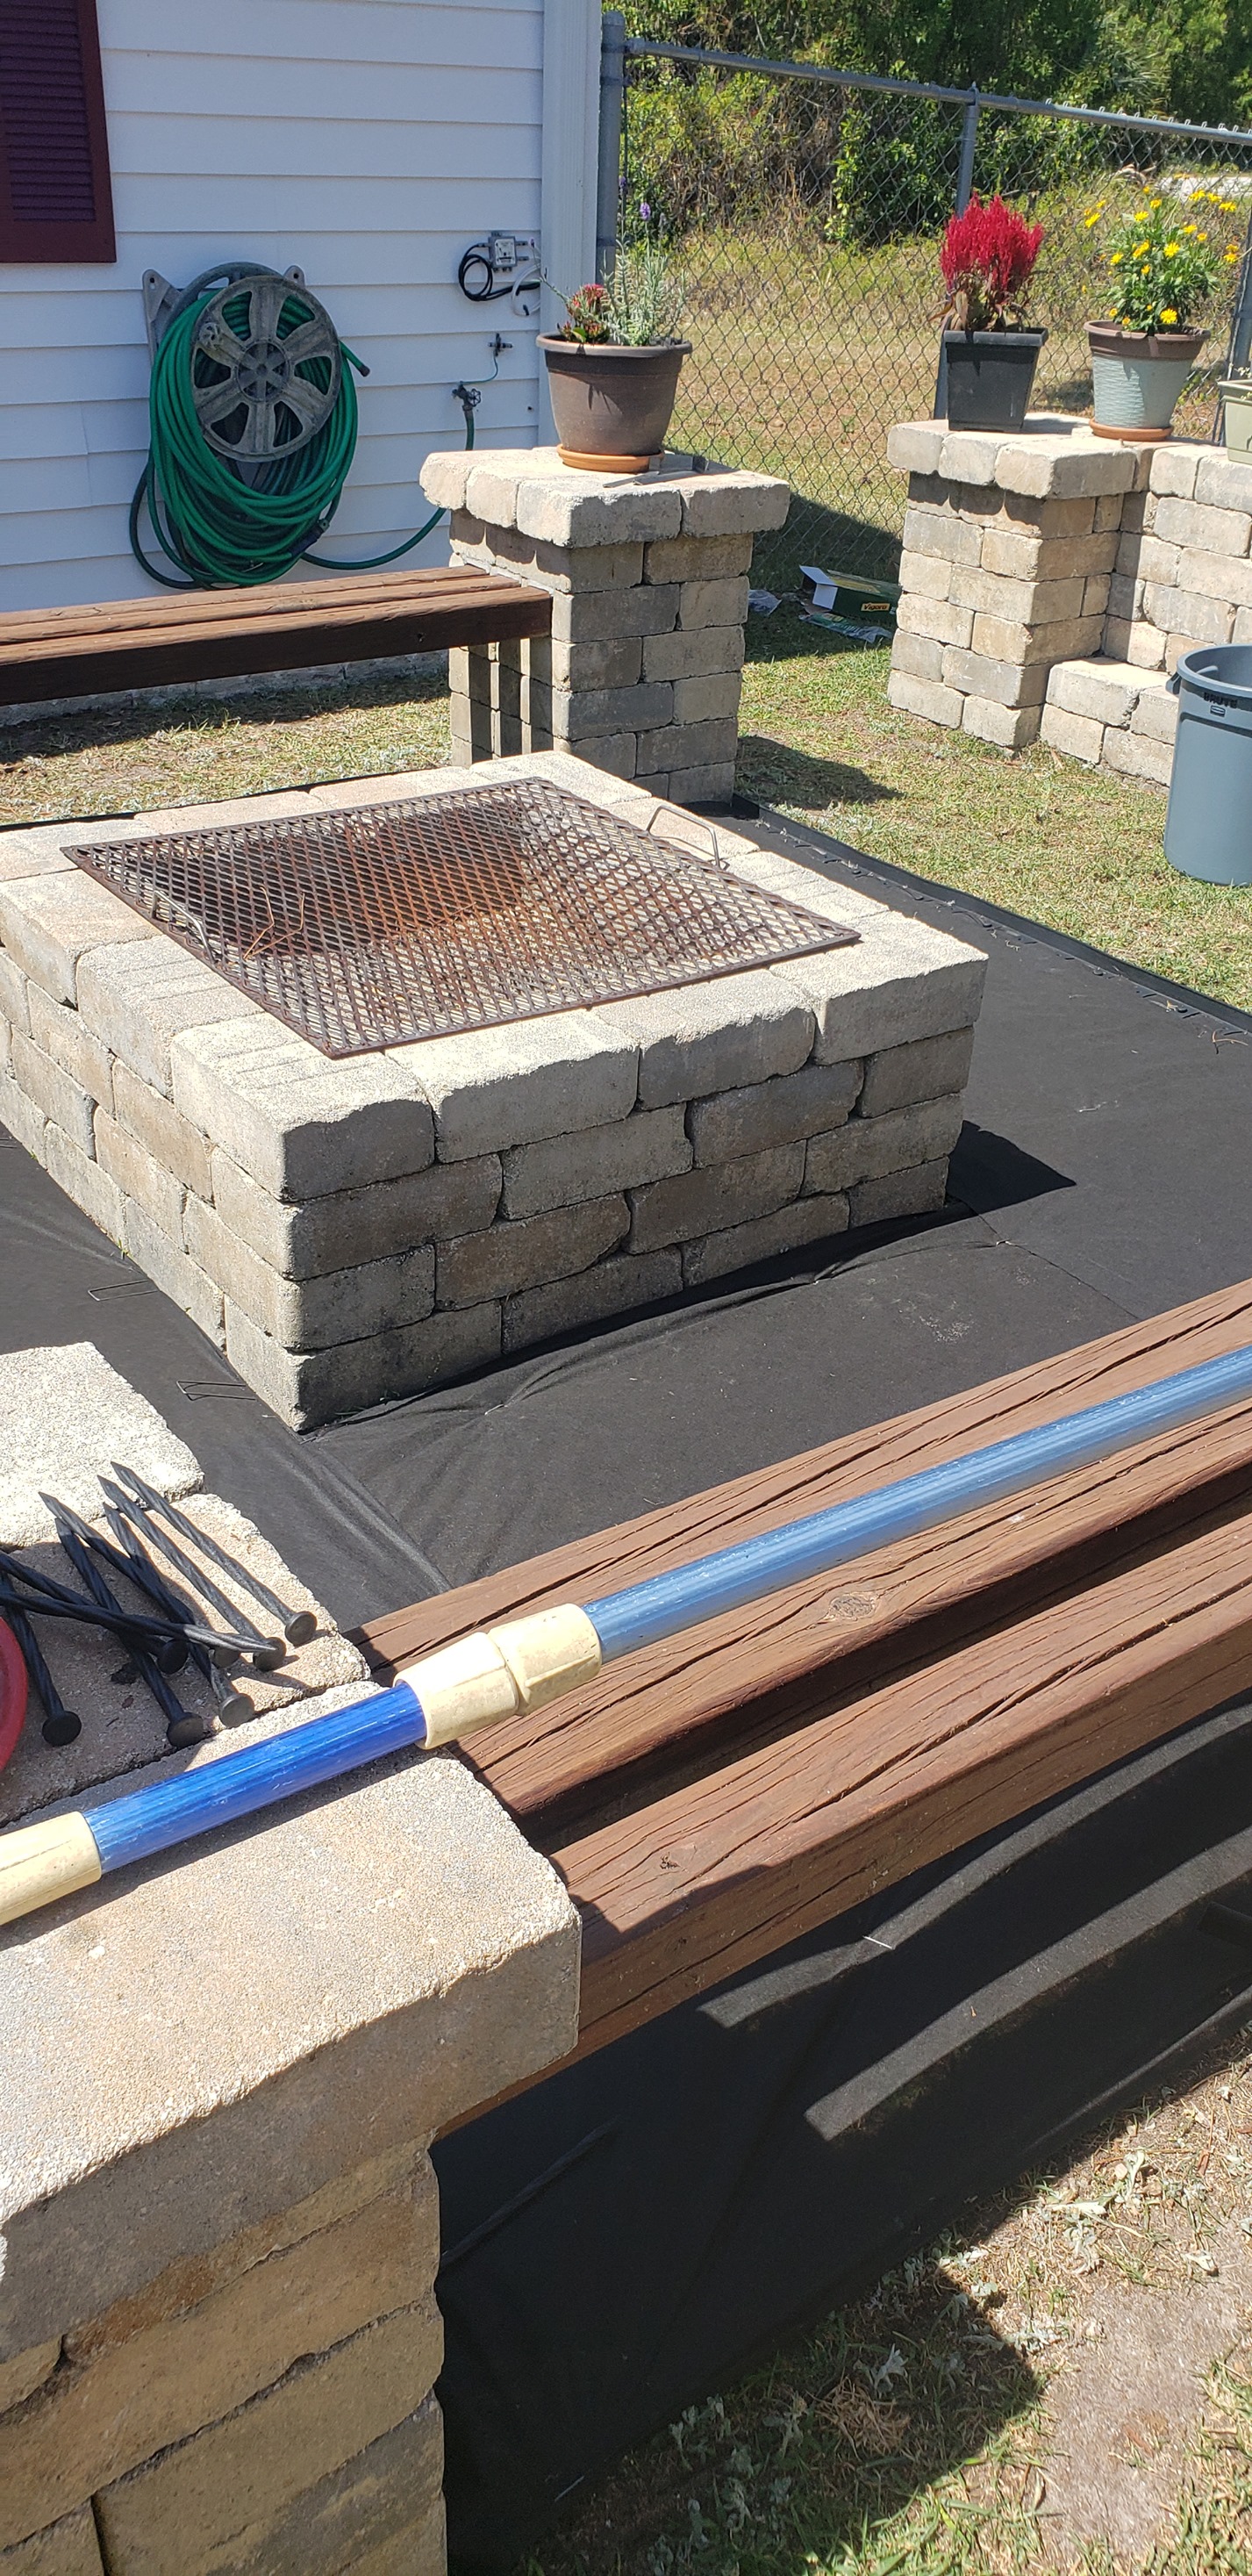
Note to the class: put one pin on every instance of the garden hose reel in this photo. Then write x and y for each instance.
(266, 361)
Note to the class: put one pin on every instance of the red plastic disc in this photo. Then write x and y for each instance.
(12, 1692)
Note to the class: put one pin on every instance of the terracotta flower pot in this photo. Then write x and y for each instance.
(612, 407)
(1138, 377)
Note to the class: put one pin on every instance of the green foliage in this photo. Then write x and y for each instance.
(1164, 260)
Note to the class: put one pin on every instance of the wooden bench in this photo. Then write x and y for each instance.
(48, 653)
(714, 1797)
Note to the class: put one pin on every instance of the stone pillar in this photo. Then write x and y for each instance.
(649, 583)
(218, 2332)
(1010, 544)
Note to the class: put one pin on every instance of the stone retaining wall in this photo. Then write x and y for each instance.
(352, 1230)
(1052, 579)
(649, 579)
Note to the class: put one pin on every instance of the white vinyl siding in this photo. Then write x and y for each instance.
(364, 141)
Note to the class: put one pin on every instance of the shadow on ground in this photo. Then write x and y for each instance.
(778, 774)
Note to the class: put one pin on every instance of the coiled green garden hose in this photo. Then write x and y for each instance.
(221, 529)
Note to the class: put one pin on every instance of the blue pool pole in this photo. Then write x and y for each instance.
(524, 1664)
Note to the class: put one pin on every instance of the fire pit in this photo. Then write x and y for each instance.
(382, 1080)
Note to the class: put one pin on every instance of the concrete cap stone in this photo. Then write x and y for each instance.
(497, 1087)
(901, 981)
(65, 1415)
(328, 1981)
(1052, 457)
(48, 922)
(530, 490)
(717, 1036)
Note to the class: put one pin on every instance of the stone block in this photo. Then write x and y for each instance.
(1111, 510)
(938, 535)
(1104, 691)
(27, 2371)
(1225, 577)
(310, 1387)
(315, 1313)
(928, 1069)
(920, 656)
(174, 1272)
(1145, 645)
(898, 1194)
(702, 1038)
(693, 653)
(417, 1957)
(14, 1006)
(915, 446)
(137, 1176)
(1243, 626)
(83, 1181)
(1174, 468)
(938, 617)
(1025, 557)
(1010, 728)
(1137, 755)
(1125, 601)
(688, 746)
(1050, 521)
(867, 1149)
(930, 492)
(709, 1200)
(1095, 594)
(58, 1032)
(733, 502)
(735, 1247)
(36, 853)
(582, 713)
(1019, 603)
(47, 923)
(710, 700)
(1211, 531)
(53, 1092)
(902, 981)
(383, 2508)
(168, 1137)
(926, 576)
(1003, 641)
(138, 995)
(1149, 560)
(300, 1123)
(523, 1252)
(713, 603)
(103, 2415)
(1175, 647)
(1156, 714)
(513, 1085)
(927, 698)
(673, 559)
(1223, 482)
(1081, 736)
(764, 1114)
(350, 1226)
(1179, 612)
(65, 2548)
(559, 510)
(181, 2508)
(1011, 684)
(969, 456)
(1075, 466)
(612, 1287)
(560, 1171)
(21, 1117)
(444, 477)
(614, 752)
(605, 616)
(608, 567)
(711, 783)
(582, 667)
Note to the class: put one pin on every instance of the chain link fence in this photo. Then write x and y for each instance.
(806, 208)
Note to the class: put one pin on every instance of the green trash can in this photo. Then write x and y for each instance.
(1208, 827)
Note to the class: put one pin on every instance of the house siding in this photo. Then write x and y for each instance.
(365, 141)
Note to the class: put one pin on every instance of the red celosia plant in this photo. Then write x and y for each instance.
(987, 257)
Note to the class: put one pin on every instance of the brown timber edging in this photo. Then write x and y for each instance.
(713, 1798)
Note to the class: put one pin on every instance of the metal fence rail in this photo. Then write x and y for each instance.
(806, 206)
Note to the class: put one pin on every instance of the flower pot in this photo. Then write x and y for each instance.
(612, 406)
(1138, 377)
(990, 374)
(1236, 394)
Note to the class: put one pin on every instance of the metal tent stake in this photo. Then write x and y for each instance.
(523, 1665)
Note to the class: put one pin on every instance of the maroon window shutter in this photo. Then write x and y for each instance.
(55, 199)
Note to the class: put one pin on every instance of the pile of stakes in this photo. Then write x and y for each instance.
(190, 1620)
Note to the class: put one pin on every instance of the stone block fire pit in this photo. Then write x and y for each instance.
(350, 1225)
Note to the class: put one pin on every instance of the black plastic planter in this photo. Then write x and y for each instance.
(990, 375)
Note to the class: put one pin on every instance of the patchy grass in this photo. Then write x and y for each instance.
(911, 2435)
(1073, 847)
(198, 749)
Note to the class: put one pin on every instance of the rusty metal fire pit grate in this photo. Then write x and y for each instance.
(379, 924)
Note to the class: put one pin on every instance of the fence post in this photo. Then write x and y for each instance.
(612, 105)
(964, 190)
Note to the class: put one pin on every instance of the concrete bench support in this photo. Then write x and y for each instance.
(649, 583)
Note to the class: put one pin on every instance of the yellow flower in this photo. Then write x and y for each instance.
(1232, 254)
(1227, 206)
(1092, 219)
(1141, 218)
(1188, 228)
(1156, 202)
(1169, 315)
(1171, 249)
(1115, 259)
